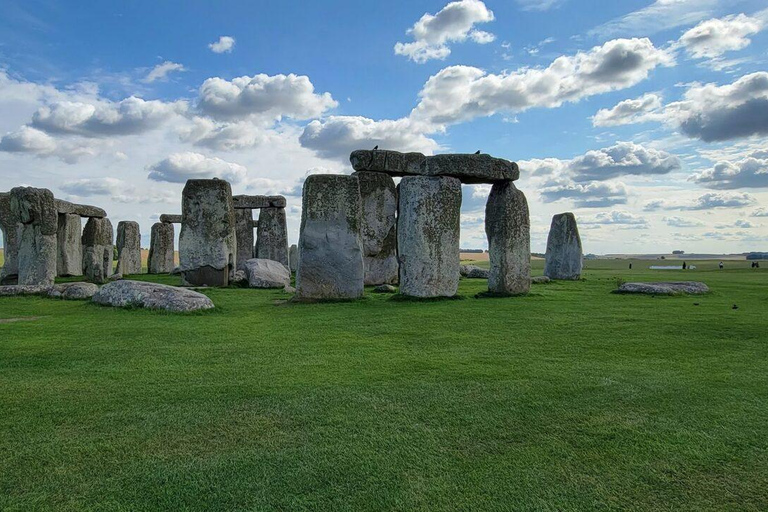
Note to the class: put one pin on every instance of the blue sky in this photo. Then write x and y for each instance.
(648, 119)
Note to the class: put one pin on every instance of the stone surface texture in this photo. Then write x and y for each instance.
(152, 296)
(160, 259)
(207, 242)
(35, 210)
(379, 228)
(272, 236)
(385, 288)
(330, 262)
(70, 291)
(665, 288)
(255, 202)
(474, 272)
(266, 274)
(69, 261)
(508, 228)
(98, 251)
(9, 227)
(564, 257)
(540, 280)
(293, 257)
(245, 239)
(82, 210)
(128, 247)
(428, 236)
(170, 218)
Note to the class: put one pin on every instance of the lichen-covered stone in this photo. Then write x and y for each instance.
(474, 272)
(393, 163)
(244, 230)
(152, 296)
(508, 228)
(272, 236)
(69, 291)
(255, 202)
(170, 218)
(81, 210)
(665, 288)
(9, 227)
(160, 259)
(69, 260)
(564, 255)
(128, 247)
(35, 210)
(207, 242)
(330, 244)
(266, 274)
(428, 236)
(379, 228)
(293, 257)
(98, 251)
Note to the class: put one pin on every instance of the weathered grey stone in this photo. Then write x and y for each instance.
(176, 271)
(35, 210)
(428, 236)
(665, 288)
(207, 242)
(564, 255)
(473, 272)
(379, 228)
(255, 202)
(330, 244)
(385, 288)
(244, 230)
(160, 260)
(116, 276)
(82, 210)
(289, 289)
(239, 277)
(540, 280)
(272, 236)
(469, 168)
(266, 274)
(24, 289)
(170, 218)
(98, 252)
(293, 257)
(152, 296)
(10, 228)
(76, 291)
(128, 247)
(70, 291)
(69, 261)
(508, 228)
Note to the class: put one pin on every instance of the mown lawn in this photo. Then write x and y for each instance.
(571, 398)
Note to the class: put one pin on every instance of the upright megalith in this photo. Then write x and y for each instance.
(379, 228)
(35, 210)
(293, 257)
(330, 264)
(98, 251)
(160, 260)
(9, 227)
(128, 247)
(508, 228)
(244, 229)
(207, 242)
(564, 256)
(428, 235)
(69, 260)
(272, 235)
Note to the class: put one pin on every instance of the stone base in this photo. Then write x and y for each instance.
(206, 276)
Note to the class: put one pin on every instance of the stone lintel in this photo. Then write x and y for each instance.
(243, 202)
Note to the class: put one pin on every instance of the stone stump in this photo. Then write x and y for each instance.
(330, 264)
(379, 228)
(160, 259)
(508, 227)
(35, 210)
(128, 248)
(293, 257)
(428, 236)
(98, 251)
(9, 227)
(245, 241)
(70, 248)
(272, 236)
(207, 242)
(564, 255)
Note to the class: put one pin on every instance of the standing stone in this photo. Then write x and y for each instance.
(272, 236)
(10, 230)
(35, 210)
(98, 251)
(293, 257)
(128, 248)
(70, 248)
(330, 244)
(160, 260)
(508, 228)
(379, 228)
(428, 236)
(207, 242)
(244, 228)
(564, 256)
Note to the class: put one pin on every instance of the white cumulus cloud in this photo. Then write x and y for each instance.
(179, 167)
(161, 71)
(225, 44)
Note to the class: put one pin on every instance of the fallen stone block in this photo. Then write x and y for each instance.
(266, 274)
(129, 293)
(665, 288)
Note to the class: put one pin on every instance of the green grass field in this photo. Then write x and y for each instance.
(571, 398)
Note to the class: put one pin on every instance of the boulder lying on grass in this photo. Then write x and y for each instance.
(540, 280)
(262, 273)
(473, 272)
(665, 288)
(129, 293)
(73, 291)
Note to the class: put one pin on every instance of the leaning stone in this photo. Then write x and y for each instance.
(128, 247)
(10, 228)
(385, 288)
(152, 296)
(170, 218)
(160, 260)
(81, 210)
(35, 210)
(665, 288)
(266, 274)
(98, 252)
(244, 231)
(272, 236)
(428, 236)
(76, 291)
(255, 202)
(540, 280)
(69, 260)
(564, 255)
(508, 228)
(207, 242)
(393, 163)
(293, 257)
(473, 272)
(379, 228)
(330, 244)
